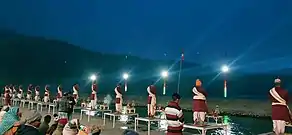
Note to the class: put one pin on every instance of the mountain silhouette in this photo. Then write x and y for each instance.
(37, 60)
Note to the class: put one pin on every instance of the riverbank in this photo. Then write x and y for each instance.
(235, 107)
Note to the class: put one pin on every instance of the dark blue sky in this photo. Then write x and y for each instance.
(255, 33)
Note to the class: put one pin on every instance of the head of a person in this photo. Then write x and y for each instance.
(74, 124)
(56, 118)
(130, 132)
(176, 97)
(66, 94)
(95, 130)
(198, 83)
(277, 82)
(47, 119)
(62, 122)
(5, 108)
(34, 119)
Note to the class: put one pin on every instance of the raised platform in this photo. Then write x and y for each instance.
(216, 119)
(146, 119)
(203, 129)
(53, 106)
(41, 104)
(114, 115)
(94, 111)
(23, 102)
(31, 104)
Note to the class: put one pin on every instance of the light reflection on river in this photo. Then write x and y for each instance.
(236, 125)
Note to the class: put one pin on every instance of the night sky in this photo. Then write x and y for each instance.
(254, 35)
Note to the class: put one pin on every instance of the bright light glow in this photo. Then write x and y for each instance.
(126, 76)
(93, 77)
(225, 68)
(164, 74)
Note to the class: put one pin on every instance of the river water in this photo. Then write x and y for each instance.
(236, 125)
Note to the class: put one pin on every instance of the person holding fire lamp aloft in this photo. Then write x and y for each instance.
(59, 92)
(20, 92)
(47, 94)
(37, 96)
(199, 104)
(119, 99)
(93, 96)
(151, 100)
(75, 92)
(29, 92)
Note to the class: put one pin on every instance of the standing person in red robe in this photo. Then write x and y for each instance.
(20, 92)
(37, 96)
(93, 96)
(119, 99)
(14, 92)
(29, 92)
(10, 87)
(280, 109)
(59, 92)
(199, 104)
(7, 97)
(151, 104)
(75, 92)
(47, 94)
(5, 89)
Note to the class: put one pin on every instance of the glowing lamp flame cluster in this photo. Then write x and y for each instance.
(225, 69)
(93, 77)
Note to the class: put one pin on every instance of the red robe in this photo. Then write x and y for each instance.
(280, 112)
(58, 93)
(20, 89)
(118, 100)
(94, 89)
(7, 98)
(29, 89)
(198, 104)
(37, 89)
(74, 94)
(153, 91)
(46, 90)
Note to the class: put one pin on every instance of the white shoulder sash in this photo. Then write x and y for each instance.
(275, 95)
(198, 94)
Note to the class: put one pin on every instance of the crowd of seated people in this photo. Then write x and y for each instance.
(11, 124)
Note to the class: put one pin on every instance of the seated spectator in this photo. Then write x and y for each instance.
(45, 125)
(32, 122)
(95, 130)
(9, 121)
(60, 127)
(3, 111)
(53, 127)
(130, 132)
(72, 127)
